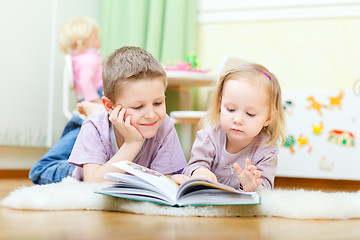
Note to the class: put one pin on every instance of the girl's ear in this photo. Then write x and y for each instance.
(220, 99)
(107, 104)
(270, 118)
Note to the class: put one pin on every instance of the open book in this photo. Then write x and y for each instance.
(144, 184)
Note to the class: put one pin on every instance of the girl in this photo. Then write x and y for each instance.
(246, 121)
(80, 38)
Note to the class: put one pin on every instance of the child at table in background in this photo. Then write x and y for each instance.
(246, 122)
(134, 127)
(80, 38)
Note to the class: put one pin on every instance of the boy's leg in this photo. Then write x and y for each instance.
(54, 166)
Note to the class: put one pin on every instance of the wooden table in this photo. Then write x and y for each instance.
(182, 81)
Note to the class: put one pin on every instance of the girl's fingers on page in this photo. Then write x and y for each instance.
(237, 168)
(257, 173)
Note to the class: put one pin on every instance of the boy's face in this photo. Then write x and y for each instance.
(144, 100)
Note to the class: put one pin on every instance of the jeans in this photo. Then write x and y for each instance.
(54, 166)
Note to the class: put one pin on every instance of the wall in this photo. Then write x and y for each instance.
(305, 52)
(31, 75)
(310, 46)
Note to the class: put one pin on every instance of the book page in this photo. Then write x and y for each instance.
(206, 191)
(163, 183)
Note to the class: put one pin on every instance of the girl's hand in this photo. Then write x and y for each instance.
(249, 177)
(179, 178)
(205, 173)
(123, 125)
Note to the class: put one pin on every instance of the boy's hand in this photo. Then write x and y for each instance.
(179, 178)
(123, 125)
(205, 173)
(249, 177)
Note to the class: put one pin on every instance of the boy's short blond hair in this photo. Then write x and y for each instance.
(129, 64)
(74, 32)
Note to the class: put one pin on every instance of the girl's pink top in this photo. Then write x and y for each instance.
(87, 74)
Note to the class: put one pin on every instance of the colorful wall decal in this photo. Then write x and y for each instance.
(315, 105)
(288, 106)
(317, 129)
(290, 142)
(325, 164)
(325, 139)
(302, 140)
(336, 101)
(344, 138)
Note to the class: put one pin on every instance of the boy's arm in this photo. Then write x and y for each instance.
(127, 151)
(95, 172)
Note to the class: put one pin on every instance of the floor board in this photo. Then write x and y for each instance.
(17, 224)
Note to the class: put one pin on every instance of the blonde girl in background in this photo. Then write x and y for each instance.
(245, 126)
(79, 37)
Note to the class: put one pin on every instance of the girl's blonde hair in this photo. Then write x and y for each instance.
(75, 32)
(252, 72)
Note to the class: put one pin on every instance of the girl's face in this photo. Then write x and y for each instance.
(93, 41)
(244, 111)
(144, 100)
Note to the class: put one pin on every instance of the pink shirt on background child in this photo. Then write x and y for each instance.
(209, 151)
(87, 74)
(96, 144)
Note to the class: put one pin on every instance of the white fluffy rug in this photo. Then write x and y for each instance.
(71, 194)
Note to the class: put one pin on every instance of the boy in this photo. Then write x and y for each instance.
(134, 126)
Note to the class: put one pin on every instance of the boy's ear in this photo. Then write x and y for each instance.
(107, 104)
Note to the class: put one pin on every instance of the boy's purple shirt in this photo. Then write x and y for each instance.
(162, 152)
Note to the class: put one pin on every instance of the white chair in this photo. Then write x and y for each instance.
(193, 117)
(68, 85)
(188, 117)
(229, 62)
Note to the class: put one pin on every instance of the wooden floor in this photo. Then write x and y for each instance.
(17, 224)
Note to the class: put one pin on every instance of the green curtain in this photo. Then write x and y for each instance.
(165, 28)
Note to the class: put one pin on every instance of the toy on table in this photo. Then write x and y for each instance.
(191, 64)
